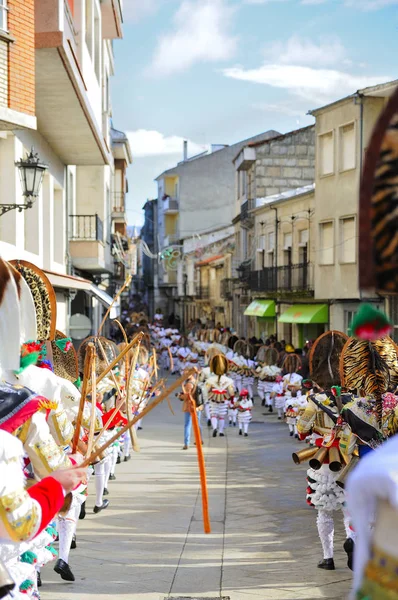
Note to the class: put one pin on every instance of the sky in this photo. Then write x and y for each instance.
(220, 71)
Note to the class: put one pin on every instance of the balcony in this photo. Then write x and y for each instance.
(227, 289)
(170, 206)
(86, 244)
(118, 205)
(246, 217)
(289, 278)
(68, 95)
(244, 271)
(170, 240)
(204, 292)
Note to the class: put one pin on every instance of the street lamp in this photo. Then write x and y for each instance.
(31, 172)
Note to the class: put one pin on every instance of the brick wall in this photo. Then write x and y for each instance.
(21, 55)
(283, 164)
(3, 73)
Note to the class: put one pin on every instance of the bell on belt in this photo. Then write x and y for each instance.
(303, 455)
(334, 460)
(346, 471)
(6, 583)
(317, 461)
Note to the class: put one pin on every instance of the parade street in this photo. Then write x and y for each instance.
(149, 544)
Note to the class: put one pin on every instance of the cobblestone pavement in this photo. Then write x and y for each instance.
(149, 544)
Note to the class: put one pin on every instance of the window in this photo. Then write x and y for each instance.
(106, 101)
(348, 317)
(97, 43)
(326, 243)
(261, 242)
(3, 15)
(271, 241)
(347, 147)
(271, 258)
(287, 240)
(326, 154)
(89, 26)
(303, 237)
(347, 240)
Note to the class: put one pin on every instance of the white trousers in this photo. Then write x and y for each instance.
(218, 411)
(325, 524)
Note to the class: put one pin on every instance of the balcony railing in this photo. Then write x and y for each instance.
(170, 205)
(227, 289)
(86, 228)
(291, 278)
(118, 205)
(204, 292)
(245, 213)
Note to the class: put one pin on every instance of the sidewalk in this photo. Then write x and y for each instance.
(149, 544)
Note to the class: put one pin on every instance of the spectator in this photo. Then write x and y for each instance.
(189, 397)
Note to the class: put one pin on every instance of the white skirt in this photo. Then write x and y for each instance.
(244, 417)
(325, 493)
(218, 409)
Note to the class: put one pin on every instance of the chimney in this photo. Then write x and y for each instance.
(185, 150)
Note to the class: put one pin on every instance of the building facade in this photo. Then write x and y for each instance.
(62, 53)
(274, 210)
(343, 130)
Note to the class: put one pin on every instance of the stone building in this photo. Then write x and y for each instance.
(266, 173)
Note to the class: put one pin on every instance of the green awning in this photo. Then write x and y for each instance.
(305, 314)
(261, 308)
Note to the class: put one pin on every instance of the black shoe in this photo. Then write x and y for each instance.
(127, 458)
(263, 403)
(234, 424)
(349, 546)
(82, 511)
(296, 436)
(291, 434)
(39, 583)
(246, 435)
(112, 477)
(63, 569)
(240, 432)
(208, 422)
(270, 409)
(221, 434)
(139, 428)
(215, 433)
(106, 492)
(119, 460)
(73, 545)
(98, 509)
(327, 564)
(279, 418)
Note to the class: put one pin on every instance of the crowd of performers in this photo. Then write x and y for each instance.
(346, 408)
(46, 430)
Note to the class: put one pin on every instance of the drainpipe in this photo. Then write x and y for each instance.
(276, 236)
(359, 100)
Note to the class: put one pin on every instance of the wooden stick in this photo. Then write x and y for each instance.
(155, 363)
(126, 283)
(86, 376)
(202, 467)
(133, 434)
(171, 359)
(93, 402)
(133, 342)
(146, 411)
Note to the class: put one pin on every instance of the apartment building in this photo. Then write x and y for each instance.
(343, 130)
(57, 99)
(274, 201)
(194, 198)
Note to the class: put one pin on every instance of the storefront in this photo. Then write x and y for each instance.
(263, 313)
(308, 321)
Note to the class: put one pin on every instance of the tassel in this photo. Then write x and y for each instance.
(26, 586)
(45, 404)
(64, 345)
(28, 557)
(26, 361)
(78, 383)
(370, 323)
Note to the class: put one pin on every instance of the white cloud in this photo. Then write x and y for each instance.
(135, 10)
(364, 5)
(201, 34)
(296, 51)
(320, 85)
(370, 4)
(146, 142)
(285, 109)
